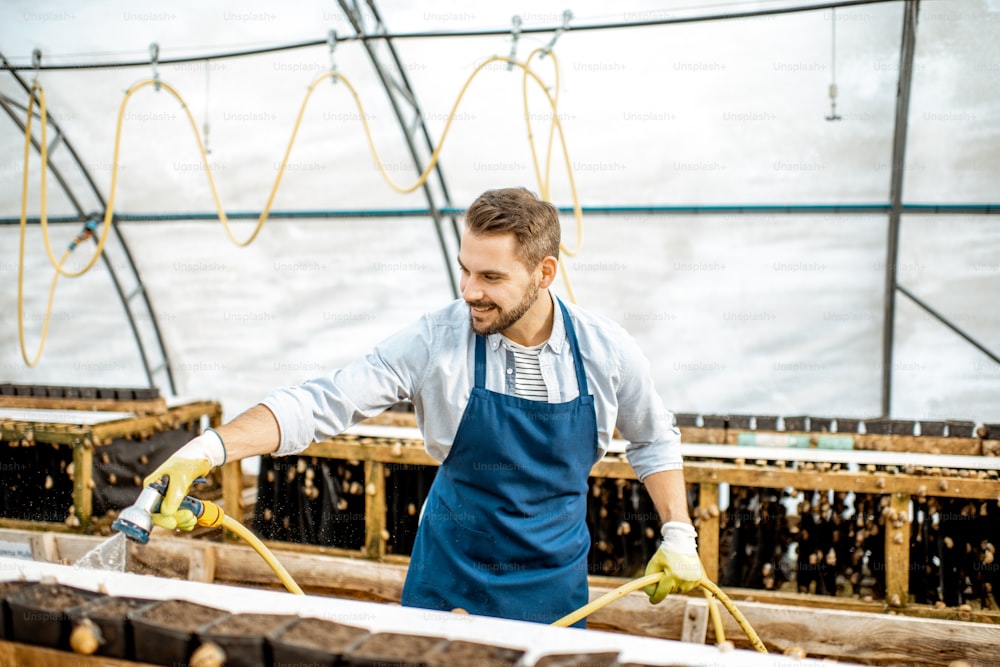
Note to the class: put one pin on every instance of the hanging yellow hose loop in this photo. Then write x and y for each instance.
(36, 89)
(649, 579)
(543, 178)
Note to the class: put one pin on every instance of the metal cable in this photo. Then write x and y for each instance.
(495, 32)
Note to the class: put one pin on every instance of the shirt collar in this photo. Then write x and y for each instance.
(556, 340)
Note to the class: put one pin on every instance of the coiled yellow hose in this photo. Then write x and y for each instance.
(651, 579)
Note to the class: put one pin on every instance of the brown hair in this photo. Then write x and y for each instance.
(534, 222)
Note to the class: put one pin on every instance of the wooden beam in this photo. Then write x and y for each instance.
(360, 450)
(232, 490)
(103, 433)
(865, 638)
(153, 406)
(375, 509)
(708, 528)
(26, 655)
(866, 633)
(31, 526)
(694, 627)
(355, 578)
(616, 466)
(859, 482)
(201, 564)
(83, 483)
(918, 443)
(897, 550)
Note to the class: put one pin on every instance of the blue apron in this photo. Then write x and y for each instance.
(504, 531)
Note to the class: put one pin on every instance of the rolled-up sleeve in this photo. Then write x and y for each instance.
(653, 440)
(326, 406)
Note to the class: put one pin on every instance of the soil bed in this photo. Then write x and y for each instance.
(390, 648)
(578, 660)
(326, 635)
(180, 615)
(247, 624)
(472, 654)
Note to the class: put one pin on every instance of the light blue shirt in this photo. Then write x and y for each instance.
(430, 363)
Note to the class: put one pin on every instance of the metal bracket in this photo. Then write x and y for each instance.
(833, 66)
(567, 17)
(154, 58)
(36, 62)
(331, 39)
(515, 34)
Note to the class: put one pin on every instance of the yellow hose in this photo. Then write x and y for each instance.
(737, 614)
(607, 598)
(213, 516)
(265, 553)
(713, 613)
(59, 264)
(650, 579)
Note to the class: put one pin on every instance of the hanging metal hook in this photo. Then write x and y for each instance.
(567, 17)
(515, 34)
(331, 39)
(833, 66)
(36, 61)
(154, 58)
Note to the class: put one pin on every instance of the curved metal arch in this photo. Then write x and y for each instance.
(135, 301)
(367, 21)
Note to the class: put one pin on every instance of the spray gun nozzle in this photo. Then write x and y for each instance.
(136, 521)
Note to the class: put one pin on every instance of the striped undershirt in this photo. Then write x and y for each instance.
(528, 380)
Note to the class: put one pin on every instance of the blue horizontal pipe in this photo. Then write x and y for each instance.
(693, 209)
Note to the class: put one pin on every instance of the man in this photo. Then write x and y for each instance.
(518, 395)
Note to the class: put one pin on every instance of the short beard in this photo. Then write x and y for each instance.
(505, 318)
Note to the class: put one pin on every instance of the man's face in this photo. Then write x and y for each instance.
(498, 287)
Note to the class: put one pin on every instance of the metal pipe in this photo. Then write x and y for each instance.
(907, 48)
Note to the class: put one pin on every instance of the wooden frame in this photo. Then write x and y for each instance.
(86, 439)
(377, 452)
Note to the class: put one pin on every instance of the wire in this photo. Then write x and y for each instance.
(493, 32)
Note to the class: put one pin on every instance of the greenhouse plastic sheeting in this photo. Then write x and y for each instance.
(767, 312)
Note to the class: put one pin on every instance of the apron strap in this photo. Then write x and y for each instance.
(581, 375)
(480, 361)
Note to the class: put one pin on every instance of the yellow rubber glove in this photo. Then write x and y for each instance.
(677, 558)
(193, 460)
(183, 519)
